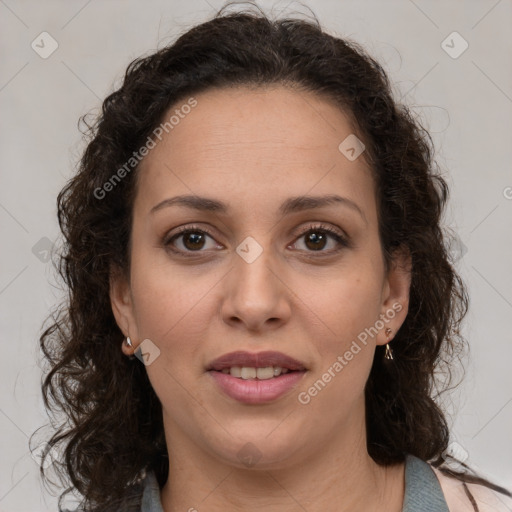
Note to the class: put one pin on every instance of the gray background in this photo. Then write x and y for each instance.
(466, 102)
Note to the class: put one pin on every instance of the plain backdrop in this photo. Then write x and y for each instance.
(463, 97)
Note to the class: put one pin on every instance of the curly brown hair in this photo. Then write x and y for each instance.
(111, 422)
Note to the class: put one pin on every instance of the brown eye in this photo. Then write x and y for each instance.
(315, 240)
(189, 240)
(193, 240)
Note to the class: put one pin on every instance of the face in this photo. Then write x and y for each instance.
(259, 269)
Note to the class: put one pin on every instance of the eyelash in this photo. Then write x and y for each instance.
(344, 243)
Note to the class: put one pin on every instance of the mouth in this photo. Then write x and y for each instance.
(256, 378)
(260, 365)
(248, 372)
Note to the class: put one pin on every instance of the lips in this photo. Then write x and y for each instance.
(256, 378)
(255, 360)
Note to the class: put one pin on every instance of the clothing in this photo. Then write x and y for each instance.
(426, 490)
(422, 488)
(423, 492)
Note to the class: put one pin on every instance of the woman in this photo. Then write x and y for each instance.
(260, 293)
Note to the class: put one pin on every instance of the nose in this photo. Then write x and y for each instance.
(255, 295)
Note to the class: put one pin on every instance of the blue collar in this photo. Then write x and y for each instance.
(423, 492)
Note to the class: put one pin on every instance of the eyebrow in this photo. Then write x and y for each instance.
(291, 205)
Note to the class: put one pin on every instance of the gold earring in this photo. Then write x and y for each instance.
(389, 352)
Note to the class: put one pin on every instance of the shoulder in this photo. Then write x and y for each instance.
(457, 500)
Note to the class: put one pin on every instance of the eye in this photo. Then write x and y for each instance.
(316, 238)
(190, 238)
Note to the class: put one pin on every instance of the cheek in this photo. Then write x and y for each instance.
(336, 385)
(167, 296)
(174, 308)
(347, 303)
(348, 306)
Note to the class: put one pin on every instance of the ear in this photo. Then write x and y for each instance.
(121, 301)
(395, 296)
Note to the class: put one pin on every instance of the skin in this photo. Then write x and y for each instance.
(253, 149)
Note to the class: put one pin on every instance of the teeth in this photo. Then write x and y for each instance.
(236, 371)
(265, 373)
(246, 373)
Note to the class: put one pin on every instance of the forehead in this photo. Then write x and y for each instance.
(254, 144)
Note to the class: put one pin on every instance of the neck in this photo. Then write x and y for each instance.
(337, 478)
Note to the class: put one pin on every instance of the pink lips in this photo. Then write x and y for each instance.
(254, 391)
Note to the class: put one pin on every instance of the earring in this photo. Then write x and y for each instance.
(389, 352)
(128, 343)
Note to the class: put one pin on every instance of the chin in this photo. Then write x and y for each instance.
(257, 450)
